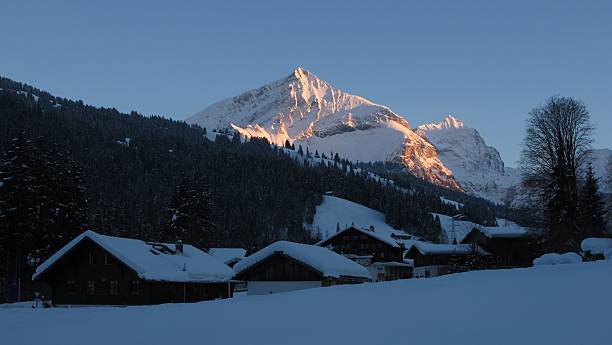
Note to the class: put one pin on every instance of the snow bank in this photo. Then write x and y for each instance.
(150, 263)
(322, 259)
(556, 305)
(596, 245)
(557, 259)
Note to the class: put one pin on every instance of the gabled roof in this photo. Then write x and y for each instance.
(426, 248)
(392, 238)
(227, 255)
(503, 231)
(328, 263)
(152, 261)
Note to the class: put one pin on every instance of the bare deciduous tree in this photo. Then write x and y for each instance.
(556, 145)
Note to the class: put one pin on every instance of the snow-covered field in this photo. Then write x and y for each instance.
(562, 304)
(334, 212)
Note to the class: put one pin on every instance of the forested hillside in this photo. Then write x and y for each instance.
(159, 179)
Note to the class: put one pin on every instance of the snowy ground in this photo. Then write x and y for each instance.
(563, 304)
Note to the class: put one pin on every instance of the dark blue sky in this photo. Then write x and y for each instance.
(486, 62)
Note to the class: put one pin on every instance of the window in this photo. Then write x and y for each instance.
(71, 287)
(135, 287)
(113, 287)
(92, 258)
(91, 287)
(106, 259)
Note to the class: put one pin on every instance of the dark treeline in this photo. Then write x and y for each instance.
(159, 179)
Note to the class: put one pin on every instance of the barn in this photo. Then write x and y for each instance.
(95, 269)
(286, 266)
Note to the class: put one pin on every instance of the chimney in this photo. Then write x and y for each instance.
(372, 228)
(179, 247)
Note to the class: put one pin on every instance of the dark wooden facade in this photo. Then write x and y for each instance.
(280, 267)
(505, 251)
(356, 242)
(434, 259)
(90, 275)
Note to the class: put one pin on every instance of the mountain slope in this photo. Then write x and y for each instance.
(477, 167)
(310, 112)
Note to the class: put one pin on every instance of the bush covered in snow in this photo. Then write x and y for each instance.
(557, 259)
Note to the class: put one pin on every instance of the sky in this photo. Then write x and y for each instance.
(486, 62)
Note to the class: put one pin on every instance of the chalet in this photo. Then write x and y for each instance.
(508, 245)
(229, 256)
(594, 248)
(286, 266)
(431, 259)
(380, 251)
(95, 269)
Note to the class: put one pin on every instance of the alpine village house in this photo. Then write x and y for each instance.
(381, 251)
(95, 269)
(286, 266)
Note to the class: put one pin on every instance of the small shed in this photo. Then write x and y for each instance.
(95, 269)
(286, 266)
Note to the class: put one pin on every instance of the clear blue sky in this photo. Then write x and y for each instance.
(487, 62)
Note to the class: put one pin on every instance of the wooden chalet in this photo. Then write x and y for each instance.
(508, 245)
(287, 266)
(95, 269)
(381, 251)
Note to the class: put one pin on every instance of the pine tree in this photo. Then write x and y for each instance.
(42, 204)
(591, 207)
(192, 213)
(300, 151)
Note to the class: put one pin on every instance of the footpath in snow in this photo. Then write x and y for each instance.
(562, 304)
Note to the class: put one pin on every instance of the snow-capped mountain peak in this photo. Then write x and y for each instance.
(477, 167)
(448, 122)
(309, 111)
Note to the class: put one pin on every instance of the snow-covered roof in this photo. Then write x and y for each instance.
(227, 255)
(596, 245)
(503, 231)
(394, 264)
(150, 261)
(427, 248)
(321, 259)
(387, 239)
(393, 238)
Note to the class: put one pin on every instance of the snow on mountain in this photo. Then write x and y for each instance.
(336, 212)
(477, 167)
(310, 112)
